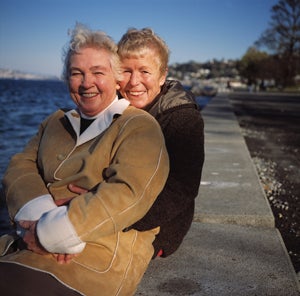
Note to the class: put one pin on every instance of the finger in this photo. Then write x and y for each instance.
(69, 257)
(25, 224)
(55, 256)
(60, 258)
(28, 238)
(77, 189)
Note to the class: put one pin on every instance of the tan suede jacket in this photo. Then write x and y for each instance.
(124, 167)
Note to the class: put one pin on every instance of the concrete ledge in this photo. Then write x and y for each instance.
(217, 259)
(230, 190)
(233, 247)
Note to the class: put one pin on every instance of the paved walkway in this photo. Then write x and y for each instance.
(233, 247)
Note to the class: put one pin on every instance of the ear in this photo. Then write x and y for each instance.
(163, 77)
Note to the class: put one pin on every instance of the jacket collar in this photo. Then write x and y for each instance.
(172, 96)
(102, 121)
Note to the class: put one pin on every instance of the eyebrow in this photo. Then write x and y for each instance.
(92, 68)
(99, 68)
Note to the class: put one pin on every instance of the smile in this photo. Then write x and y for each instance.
(88, 95)
(135, 93)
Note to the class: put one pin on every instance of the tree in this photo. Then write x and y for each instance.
(252, 65)
(282, 37)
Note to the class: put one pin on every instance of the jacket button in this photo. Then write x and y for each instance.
(60, 157)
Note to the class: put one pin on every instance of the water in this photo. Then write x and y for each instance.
(24, 105)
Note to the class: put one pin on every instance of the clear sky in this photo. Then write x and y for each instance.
(33, 32)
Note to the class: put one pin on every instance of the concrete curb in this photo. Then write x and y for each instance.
(233, 247)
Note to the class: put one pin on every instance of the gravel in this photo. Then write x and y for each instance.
(270, 124)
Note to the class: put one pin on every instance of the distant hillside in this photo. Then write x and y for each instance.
(15, 74)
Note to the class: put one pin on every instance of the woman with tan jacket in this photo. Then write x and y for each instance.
(75, 245)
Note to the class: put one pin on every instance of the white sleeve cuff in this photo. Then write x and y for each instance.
(57, 234)
(34, 209)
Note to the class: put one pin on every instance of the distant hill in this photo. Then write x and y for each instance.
(15, 74)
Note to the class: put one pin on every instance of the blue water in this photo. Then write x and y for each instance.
(24, 105)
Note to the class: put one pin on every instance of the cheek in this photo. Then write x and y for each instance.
(124, 79)
(73, 86)
(122, 83)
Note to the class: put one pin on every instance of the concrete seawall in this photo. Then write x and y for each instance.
(233, 247)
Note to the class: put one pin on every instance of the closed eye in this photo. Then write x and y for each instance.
(73, 73)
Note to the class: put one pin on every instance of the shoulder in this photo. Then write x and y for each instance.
(136, 119)
(184, 116)
(133, 113)
(54, 116)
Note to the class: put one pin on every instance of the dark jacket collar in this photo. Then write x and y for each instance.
(172, 95)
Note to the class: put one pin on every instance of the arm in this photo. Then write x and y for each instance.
(33, 244)
(27, 195)
(23, 183)
(185, 145)
(184, 135)
(136, 173)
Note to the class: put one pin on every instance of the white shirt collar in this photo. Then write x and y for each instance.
(102, 120)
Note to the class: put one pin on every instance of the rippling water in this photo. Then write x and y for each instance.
(24, 104)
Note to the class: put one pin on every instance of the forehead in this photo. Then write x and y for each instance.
(139, 52)
(90, 56)
(143, 56)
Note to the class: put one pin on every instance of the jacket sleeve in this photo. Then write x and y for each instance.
(184, 135)
(23, 182)
(135, 176)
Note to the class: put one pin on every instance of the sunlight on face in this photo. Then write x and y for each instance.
(142, 80)
(92, 83)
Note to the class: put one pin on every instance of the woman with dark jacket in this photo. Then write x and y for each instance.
(144, 59)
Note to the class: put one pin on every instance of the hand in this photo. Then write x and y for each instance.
(67, 258)
(63, 201)
(73, 188)
(31, 239)
(64, 258)
(77, 189)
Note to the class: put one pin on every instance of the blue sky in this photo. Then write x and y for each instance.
(33, 32)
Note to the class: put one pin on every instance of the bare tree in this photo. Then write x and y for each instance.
(282, 37)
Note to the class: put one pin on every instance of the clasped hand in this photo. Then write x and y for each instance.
(31, 239)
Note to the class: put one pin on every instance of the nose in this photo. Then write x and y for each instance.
(87, 80)
(134, 79)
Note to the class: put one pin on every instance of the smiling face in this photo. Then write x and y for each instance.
(92, 83)
(141, 78)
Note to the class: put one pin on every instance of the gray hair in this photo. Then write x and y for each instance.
(82, 37)
(134, 42)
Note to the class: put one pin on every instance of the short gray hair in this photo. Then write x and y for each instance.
(134, 42)
(82, 37)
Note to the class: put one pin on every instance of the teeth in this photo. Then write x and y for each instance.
(136, 93)
(88, 95)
